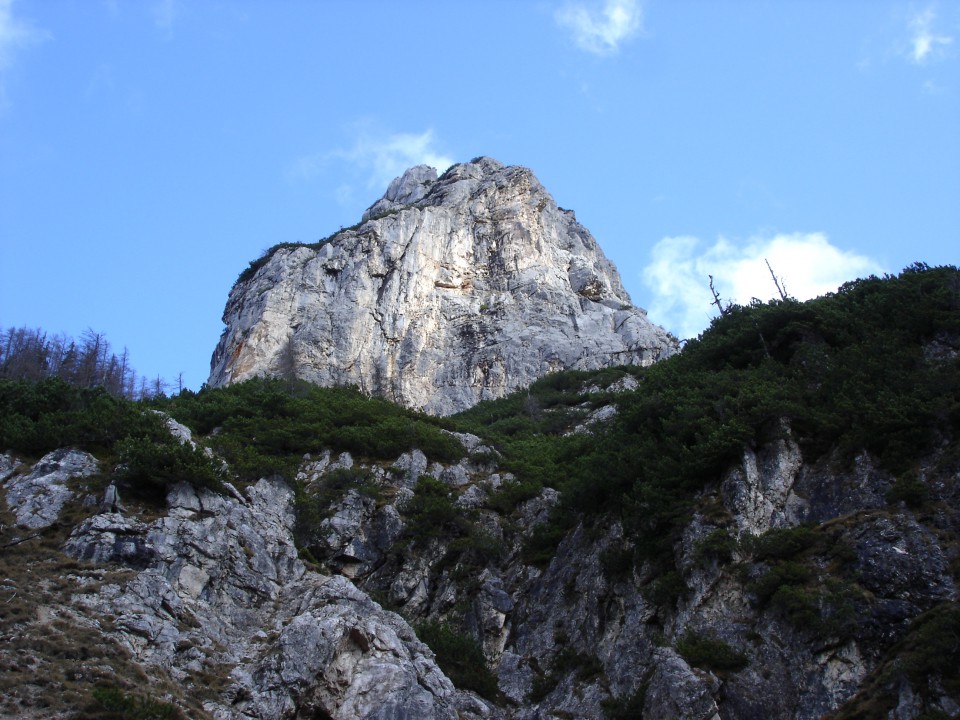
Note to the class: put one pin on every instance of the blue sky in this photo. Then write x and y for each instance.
(150, 150)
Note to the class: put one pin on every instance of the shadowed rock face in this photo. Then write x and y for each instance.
(451, 291)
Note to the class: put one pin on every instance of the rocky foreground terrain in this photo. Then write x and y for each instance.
(799, 591)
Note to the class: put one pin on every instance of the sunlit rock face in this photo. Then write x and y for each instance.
(452, 290)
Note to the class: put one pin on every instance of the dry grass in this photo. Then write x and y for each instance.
(53, 653)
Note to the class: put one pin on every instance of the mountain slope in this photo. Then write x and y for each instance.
(764, 525)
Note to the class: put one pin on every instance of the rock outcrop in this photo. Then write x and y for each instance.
(217, 583)
(452, 290)
(37, 497)
(212, 594)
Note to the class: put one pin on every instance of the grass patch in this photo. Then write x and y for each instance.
(115, 704)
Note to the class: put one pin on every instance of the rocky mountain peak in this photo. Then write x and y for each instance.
(404, 190)
(451, 290)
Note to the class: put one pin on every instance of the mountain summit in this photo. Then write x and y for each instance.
(450, 291)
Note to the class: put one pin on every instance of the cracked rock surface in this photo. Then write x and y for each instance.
(451, 291)
(37, 497)
(219, 584)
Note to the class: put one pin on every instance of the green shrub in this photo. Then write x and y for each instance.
(37, 417)
(711, 653)
(783, 543)
(511, 494)
(617, 562)
(541, 545)
(567, 661)
(154, 462)
(431, 514)
(822, 609)
(335, 484)
(542, 685)
(626, 707)
(460, 657)
(909, 490)
(780, 575)
(666, 589)
(717, 546)
(798, 605)
(477, 549)
(932, 646)
(928, 654)
(846, 373)
(264, 427)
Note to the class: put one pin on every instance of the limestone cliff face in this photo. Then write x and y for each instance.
(450, 291)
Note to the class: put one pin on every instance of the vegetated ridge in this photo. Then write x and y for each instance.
(764, 525)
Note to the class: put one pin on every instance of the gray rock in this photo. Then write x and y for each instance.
(600, 415)
(475, 285)
(409, 467)
(404, 190)
(456, 475)
(537, 510)
(760, 492)
(471, 442)
(37, 497)
(8, 466)
(111, 500)
(514, 677)
(473, 497)
(111, 538)
(180, 431)
(222, 577)
(897, 558)
(677, 691)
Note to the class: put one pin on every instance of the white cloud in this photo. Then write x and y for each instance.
(925, 43)
(15, 34)
(807, 265)
(601, 30)
(374, 159)
(384, 158)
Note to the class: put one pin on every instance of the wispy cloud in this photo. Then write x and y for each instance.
(384, 158)
(807, 264)
(925, 42)
(374, 159)
(601, 30)
(165, 14)
(15, 34)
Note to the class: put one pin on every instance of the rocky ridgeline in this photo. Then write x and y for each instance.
(451, 290)
(214, 587)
